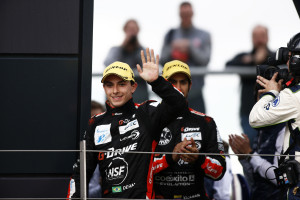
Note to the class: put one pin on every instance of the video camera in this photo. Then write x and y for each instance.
(287, 174)
(267, 71)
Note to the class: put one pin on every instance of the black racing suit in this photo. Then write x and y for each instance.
(131, 127)
(181, 179)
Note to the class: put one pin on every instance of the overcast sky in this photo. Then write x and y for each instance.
(230, 23)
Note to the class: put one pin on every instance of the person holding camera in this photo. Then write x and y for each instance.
(129, 52)
(278, 105)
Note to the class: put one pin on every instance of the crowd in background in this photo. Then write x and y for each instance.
(192, 45)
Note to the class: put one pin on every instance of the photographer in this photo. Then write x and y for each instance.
(278, 105)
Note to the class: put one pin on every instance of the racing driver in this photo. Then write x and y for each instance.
(127, 126)
(191, 132)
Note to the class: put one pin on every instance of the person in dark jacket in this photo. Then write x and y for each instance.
(257, 56)
(128, 127)
(182, 176)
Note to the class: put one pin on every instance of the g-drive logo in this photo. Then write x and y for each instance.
(114, 152)
(188, 129)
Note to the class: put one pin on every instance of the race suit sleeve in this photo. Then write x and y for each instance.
(91, 163)
(269, 110)
(173, 102)
(214, 166)
(200, 55)
(222, 187)
(161, 162)
(265, 168)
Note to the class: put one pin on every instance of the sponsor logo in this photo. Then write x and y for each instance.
(134, 135)
(116, 189)
(182, 162)
(198, 144)
(159, 165)
(72, 187)
(194, 135)
(188, 129)
(102, 134)
(117, 67)
(113, 114)
(165, 137)
(276, 102)
(129, 126)
(125, 121)
(126, 187)
(178, 178)
(192, 196)
(115, 152)
(221, 146)
(154, 104)
(267, 106)
(117, 171)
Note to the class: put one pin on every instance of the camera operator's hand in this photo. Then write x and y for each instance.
(269, 84)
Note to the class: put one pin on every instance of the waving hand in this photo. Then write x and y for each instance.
(150, 69)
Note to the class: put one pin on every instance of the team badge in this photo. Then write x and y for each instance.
(102, 134)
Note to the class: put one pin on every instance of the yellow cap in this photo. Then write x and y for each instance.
(176, 66)
(120, 69)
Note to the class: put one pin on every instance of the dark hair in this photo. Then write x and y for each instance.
(185, 3)
(128, 21)
(97, 105)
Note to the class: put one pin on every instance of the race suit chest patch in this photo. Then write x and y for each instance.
(102, 134)
(194, 135)
(129, 126)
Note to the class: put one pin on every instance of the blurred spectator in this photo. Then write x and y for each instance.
(130, 52)
(94, 186)
(221, 189)
(96, 108)
(187, 43)
(259, 55)
(190, 45)
(259, 170)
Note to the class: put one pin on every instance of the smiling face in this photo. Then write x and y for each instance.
(118, 91)
(181, 82)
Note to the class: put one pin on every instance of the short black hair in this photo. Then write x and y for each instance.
(185, 3)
